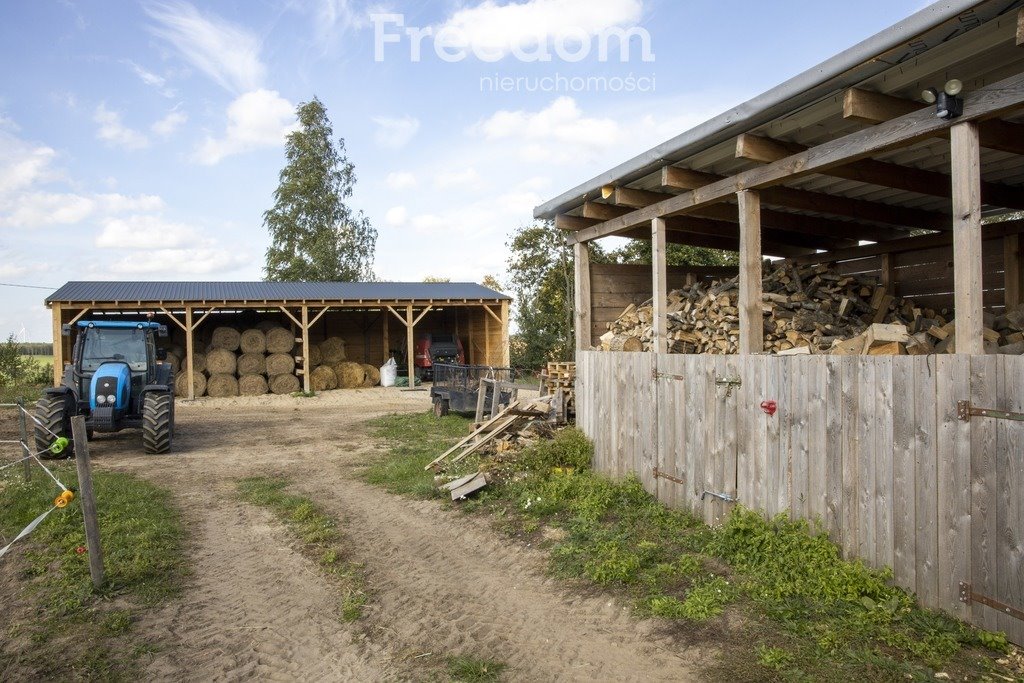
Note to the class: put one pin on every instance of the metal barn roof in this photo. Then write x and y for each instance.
(149, 292)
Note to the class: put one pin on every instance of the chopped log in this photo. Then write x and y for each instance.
(280, 364)
(323, 378)
(253, 341)
(252, 364)
(181, 384)
(222, 385)
(252, 385)
(284, 384)
(332, 350)
(221, 362)
(280, 340)
(227, 338)
(623, 343)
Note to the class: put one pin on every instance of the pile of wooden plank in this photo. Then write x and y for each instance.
(808, 309)
(558, 380)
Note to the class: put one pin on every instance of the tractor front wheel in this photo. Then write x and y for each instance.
(157, 422)
(54, 415)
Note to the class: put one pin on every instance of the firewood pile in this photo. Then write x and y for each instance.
(809, 309)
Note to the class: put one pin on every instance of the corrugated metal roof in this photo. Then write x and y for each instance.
(968, 39)
(107, 292)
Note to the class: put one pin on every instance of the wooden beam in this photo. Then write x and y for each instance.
(58, 345)
(294, 319)
(78, 316)
(987, 102)
(888, 274)
(410, 347)
(319, 315)
(627, 196)
(883, 174)
(497, 318)
(306, 369)
(398, 315)
(1020, 27)
(659, 286)
(965, 157)
(724, 242)
(1013, 284)
(602, 212)
(506, 357)
(566, 222)
(204, 316)
(190, 353)
(751, 316)
(176, 321)
(385, 324)
(581, 297)
(872, 107)
(422, 313)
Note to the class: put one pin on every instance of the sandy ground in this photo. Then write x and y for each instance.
(439, 582)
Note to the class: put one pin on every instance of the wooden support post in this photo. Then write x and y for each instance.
(659, 286)
(385, 322)
(23, 428)
(965, 149)
(584, 338)
(751, 317)
(888, 275)
(487, 337)
(88, 500)
(190, 353)
(306, 385)
(1012, 281)
(506, 359)
(58, 346)
(410, 344)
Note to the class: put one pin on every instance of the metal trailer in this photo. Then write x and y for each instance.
(458, 387)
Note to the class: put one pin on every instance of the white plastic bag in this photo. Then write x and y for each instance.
(388, 373)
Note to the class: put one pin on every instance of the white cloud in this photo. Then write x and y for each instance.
(559, 133)
(395, 133)
(155, 81)
(176, 262)
(23, 164)
(465, 179)
(257, 119)
(227, 53)
(111, 130)
(28, 210)
(396, 216)
(147, 232)
(170, 123)
(492, 31)
(401, 180)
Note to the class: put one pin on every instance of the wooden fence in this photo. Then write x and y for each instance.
(872, 446)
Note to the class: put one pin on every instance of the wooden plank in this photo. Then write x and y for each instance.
(816, 444)
(926, 506)
(985, 102)
(800, 399)
(1013, 284)
(850, 372)
(88, 501)
(883, 436)
(58, 345)
(659, 287)
(867, 548)
(954, 483)
(697, 394)
(581, 252)
(832, 452)
(751, 317)
(967, 268)
(647, 420)
(506, 350)
(1020, 27)
(984, 486)
(904, 484)
(1010, 505)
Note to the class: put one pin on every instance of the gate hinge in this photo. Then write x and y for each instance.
(967, 596)
(964, 411)
(659, 473)
(665, 375)
(728, 383)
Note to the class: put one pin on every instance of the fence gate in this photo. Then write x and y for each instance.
(995, 412)
(697, 432)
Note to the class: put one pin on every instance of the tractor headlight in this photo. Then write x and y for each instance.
(111, 399)
(101, 399)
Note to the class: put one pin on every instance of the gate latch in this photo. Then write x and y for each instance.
(720, 496)
(728, 383)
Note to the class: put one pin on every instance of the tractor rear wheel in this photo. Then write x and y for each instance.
(157, 422)
(54, 412)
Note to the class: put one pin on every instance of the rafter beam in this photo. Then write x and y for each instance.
(872, 107)
(564, 221)
(984, 103)
(1020, 27)
(725, 243)
(684, 179)
(767, 150)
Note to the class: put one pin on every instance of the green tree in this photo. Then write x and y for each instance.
(13, 366)
(639, 251)
(314, 235)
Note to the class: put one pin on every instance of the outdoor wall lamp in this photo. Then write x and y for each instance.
(947, 103)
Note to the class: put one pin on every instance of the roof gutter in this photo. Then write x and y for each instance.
(846, 69)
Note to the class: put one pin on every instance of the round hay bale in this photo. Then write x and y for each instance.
(372, 375)
(315, 357)
(222, 385)
(280, 340)
(332, 350)
(198, 362)
(253, 341)
(227, 338)
(181, 384)
(265, 325)
(323, 378)
(175, 362)
(252, 385)
(284, 384)
(350, 375)
(252, 364)
(280, 364)
(177, 350)
(221, 362)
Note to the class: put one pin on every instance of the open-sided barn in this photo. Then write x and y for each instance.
(915, 462)
(373, 320)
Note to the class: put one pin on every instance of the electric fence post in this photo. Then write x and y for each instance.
(92, 528)
(25, 452)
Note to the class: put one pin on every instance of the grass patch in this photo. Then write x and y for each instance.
(68, 624)
(800, 611)
(318, 533)
(466, 669)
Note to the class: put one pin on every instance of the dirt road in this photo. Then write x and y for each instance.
(439, 582)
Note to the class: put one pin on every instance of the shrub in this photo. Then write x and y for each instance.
(569, 448)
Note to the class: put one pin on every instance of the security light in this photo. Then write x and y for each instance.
(947, 103)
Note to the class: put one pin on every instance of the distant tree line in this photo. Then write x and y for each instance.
(35, 349)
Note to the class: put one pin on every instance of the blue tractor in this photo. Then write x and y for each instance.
(116, 381)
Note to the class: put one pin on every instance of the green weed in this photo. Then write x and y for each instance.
(466, 669)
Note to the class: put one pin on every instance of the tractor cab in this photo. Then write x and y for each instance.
(116, 381)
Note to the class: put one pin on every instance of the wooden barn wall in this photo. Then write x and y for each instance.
(615, 286)
(869, 445)
(486, 345)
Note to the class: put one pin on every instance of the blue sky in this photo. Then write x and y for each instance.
(142, 140)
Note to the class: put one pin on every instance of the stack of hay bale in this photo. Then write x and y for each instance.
(332, 370)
